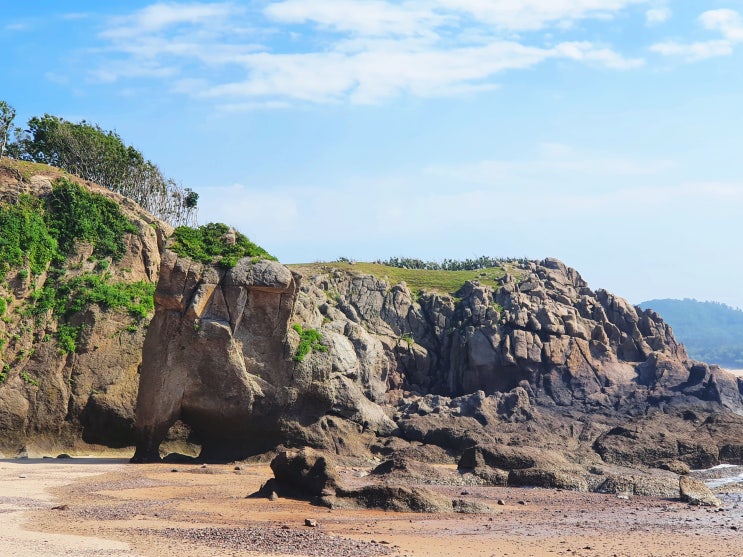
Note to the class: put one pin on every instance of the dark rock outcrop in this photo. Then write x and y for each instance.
(306, 470)
(314, 475)
(540, 366)
(214, 355)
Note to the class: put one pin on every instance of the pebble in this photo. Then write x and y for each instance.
(284, 541)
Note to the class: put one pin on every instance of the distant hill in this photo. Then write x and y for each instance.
(711, 331)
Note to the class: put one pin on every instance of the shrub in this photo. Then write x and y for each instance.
(101, 156)
(67, 337)
(309, 340)
(207, 244)
(71, 296)
(25, 238)
(28, 379)
(77, 214)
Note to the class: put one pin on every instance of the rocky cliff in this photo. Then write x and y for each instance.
(72, 328)
(539, 360)
(522, 374)
(535, 360)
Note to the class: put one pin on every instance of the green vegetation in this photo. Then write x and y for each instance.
(66, 297)
(35, 233)
(7, 115)
(208, 244)
(4, 373)
(39, 234)
(482, 262)
(417, 280)
(67, 337)
(711, 332)
(309, 340)
(88, 151)
(408, 339)
(25, 238)
(28, 379)
(76, 214)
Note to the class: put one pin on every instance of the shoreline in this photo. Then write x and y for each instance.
(156, 510)
(26, 488)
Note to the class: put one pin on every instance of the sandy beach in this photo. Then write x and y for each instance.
(91, 507)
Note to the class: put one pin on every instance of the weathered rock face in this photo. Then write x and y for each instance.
(542, 361)
(214, 354)
(571, 346)
(50, 400)
(539, 363)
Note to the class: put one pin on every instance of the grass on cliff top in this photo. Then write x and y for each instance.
(207, 244)
(12, 170)
(417, 280)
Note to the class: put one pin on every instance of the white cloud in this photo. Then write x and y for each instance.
(526, 15)
(726, 22)
(656, 16)
(380, 17)
(160, 16)
(693, 52)
(586, 51)
(319, 51)
(17, 27)
(371, 18)
(387, 69)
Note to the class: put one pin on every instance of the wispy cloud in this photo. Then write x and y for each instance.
(530, 15)
(656, 16)
(320, 51)
(727, 23)
(161, 16)
(490, 197)
(374, 18)
(693, 52)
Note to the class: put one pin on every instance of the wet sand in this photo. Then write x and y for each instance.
(108, 507)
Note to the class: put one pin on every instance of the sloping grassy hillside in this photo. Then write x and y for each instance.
(417, 280)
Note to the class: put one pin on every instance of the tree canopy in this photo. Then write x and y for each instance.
(101, 156)
(7, 115)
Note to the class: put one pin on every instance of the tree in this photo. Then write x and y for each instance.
(101, 156)
(7, 115)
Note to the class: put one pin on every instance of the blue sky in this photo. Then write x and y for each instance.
(607, 133)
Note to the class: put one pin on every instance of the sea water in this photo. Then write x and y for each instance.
(725, 481)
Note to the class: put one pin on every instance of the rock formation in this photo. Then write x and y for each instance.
(214, 354)
(534, 379)
(541, 364)
(52, 400)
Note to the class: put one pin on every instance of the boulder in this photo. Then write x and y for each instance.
(394, 498)
(695, 492)
(524, 466)
(307, 471)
